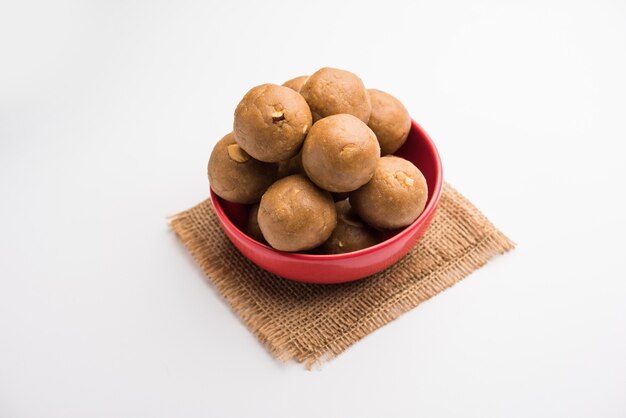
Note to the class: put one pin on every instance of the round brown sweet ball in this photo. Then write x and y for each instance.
(291, 166)
(330, 91)
(350, 234)
(389, 120)
(271, 122)
(340, 153)
(295, 215)
(394, 197)
(252, 229)
(296, 84)
(237, 177)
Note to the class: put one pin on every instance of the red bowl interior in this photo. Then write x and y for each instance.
(339, 268)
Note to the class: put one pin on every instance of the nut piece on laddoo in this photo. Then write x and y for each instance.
(389, 120)
(271, 122)
(237, 177)
(394, 197)
(340, 153)
(350, 234)
(330, 91)
(295, 215)
(296, 84)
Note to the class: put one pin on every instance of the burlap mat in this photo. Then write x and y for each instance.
(309, 322)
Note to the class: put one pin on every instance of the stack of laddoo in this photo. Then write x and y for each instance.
(314, 158)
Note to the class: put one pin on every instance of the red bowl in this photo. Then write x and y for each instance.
(339, 268)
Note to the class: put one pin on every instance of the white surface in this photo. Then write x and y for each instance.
(108, 112)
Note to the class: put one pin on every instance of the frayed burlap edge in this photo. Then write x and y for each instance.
(274, 337)
(262, 324)
(445, 276)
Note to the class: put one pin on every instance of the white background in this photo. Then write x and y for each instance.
(108, 113)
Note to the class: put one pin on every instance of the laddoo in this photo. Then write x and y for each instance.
(340, 153)
(271, 122)
(295, 215)
(394, 197)
(330, 91)
(350, 234)
(237, 177)
(389, 120)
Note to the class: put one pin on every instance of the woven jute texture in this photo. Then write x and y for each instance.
(312, 323)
